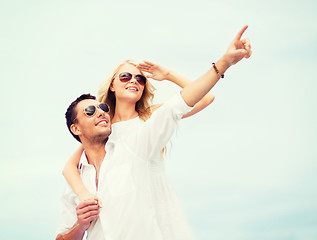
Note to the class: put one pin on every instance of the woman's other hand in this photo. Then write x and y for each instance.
(154, 71)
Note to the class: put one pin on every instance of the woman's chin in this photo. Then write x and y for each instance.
(129, 97)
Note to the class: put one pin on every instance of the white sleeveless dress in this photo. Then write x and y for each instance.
(139, 202)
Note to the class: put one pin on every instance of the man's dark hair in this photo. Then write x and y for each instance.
(71, 113)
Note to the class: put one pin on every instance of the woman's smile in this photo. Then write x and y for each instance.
(133, 88)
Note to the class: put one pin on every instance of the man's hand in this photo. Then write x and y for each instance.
(87, 211)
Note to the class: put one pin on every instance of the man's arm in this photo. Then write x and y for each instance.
(73, 234)
(86, 211)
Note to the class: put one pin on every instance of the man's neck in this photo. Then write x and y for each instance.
(95, 153)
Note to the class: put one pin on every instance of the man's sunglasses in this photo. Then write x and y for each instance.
(91, 110)
(126, 76)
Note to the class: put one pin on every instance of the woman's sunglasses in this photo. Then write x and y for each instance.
(91, 110)
(126, 76)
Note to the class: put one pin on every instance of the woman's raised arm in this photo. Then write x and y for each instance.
(238, 49)
(160, 73)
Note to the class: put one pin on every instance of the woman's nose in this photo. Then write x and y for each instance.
(133, 80)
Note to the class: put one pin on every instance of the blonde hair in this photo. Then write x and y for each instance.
(143, 106)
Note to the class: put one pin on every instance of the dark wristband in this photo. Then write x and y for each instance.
(217, 71)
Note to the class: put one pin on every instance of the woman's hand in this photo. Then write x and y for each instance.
(89, 196)
(238, 49)
(155, 71)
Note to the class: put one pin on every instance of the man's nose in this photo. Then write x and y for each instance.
(100, 112)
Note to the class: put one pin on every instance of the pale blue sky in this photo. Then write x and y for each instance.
(245, 168)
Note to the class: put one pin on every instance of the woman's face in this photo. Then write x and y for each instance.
(127, 90)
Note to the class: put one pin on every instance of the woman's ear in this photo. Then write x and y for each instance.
(111, 87)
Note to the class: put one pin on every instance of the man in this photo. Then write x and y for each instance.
(89, 122)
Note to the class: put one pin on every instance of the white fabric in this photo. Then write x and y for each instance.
(139, 202)
(70, 201)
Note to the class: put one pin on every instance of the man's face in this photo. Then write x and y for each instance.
(94, 128)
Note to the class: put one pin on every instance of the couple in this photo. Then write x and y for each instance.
(121, 191)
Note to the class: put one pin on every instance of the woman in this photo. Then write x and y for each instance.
(125, 108)
(146, 206)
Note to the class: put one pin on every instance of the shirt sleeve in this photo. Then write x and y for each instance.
(68, 216)
(159, 128)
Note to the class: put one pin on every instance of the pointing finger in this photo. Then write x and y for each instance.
(239, 35)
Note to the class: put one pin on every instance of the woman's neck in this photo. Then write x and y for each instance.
(124, 111)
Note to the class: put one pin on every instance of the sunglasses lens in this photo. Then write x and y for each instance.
(104, 107)
(141, 79)
(125, 76)
(90, 110)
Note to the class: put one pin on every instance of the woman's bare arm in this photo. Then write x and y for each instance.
(160, 73)
(238, 49)
(73, 178)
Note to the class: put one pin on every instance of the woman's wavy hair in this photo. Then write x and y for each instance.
(142, 106)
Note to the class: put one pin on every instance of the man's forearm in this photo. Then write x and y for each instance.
(75, 233)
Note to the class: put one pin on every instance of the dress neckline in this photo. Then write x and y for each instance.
(124, 122)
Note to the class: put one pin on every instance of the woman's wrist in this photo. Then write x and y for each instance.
(177, 79)
(168, 75)
(223, 64)
(84, 194)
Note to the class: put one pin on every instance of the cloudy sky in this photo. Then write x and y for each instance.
(244, 168)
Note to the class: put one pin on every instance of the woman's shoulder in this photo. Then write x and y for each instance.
(154, 107)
